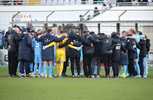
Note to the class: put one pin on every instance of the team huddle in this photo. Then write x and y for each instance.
(40, 50)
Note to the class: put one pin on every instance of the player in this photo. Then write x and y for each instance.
(37, 54)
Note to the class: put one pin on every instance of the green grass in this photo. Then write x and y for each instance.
(68, 88)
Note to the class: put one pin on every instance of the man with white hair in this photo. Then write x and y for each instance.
(54, 32)
(13, 39)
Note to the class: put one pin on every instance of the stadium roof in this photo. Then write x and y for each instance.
(66, 15)
(137, 16)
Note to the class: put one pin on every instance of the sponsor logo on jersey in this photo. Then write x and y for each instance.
(47, 40)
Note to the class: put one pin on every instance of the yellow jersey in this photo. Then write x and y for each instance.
(60, 43)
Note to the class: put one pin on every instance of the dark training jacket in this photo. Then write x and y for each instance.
(25, 48)
(148, 45)
(87, 49)
(13, 39)
(133, 43)
(74, 52)
(97, 46)
(116, 47)
(143, 50)
(76, 42)
(104, 41)
(123, 56)
(72, 36)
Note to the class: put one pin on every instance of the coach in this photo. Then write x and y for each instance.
(13, 38)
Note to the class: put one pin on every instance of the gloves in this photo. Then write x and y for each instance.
(44, 47)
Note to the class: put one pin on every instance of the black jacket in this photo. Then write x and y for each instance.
(97, 46)
(148, 45)
(133, 43)
(73, 52)
(116, 47)
(6, 35)
(13, 39)
(73, 36)
(87, 49)
(123, 56)
(105, 42)
(143, 49)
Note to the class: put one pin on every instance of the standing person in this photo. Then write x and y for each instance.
(75, 56)
(145, 59)
(81, 62)
(54, 32)
(96, 57)
(24, 55)
(143, 52)
(13, 39)
(87, 53)
(32, 34)
(104, 41)
(6, 36)
(116, 47)
(48, 53)
(131, 55)
(60, 55)
(124, 57)
(137, 37)
(37, 54)
(1, 40)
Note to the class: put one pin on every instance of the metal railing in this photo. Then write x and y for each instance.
(69, 2)
(50, 2)
(134, 3)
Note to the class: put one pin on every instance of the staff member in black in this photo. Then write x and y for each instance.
(143, 52)
(131, 55)
(13, 39)
(116, 47)
(104, 41)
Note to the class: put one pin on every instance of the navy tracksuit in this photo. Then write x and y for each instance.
(24, 55)
(123, 56)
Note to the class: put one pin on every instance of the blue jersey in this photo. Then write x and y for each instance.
(0, 39)
(37, 45)
(138, 37)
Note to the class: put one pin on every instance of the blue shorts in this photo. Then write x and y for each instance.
(38, 59)
(81, 58)
(137, 59)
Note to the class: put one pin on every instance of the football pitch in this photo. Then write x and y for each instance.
(68, 88)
